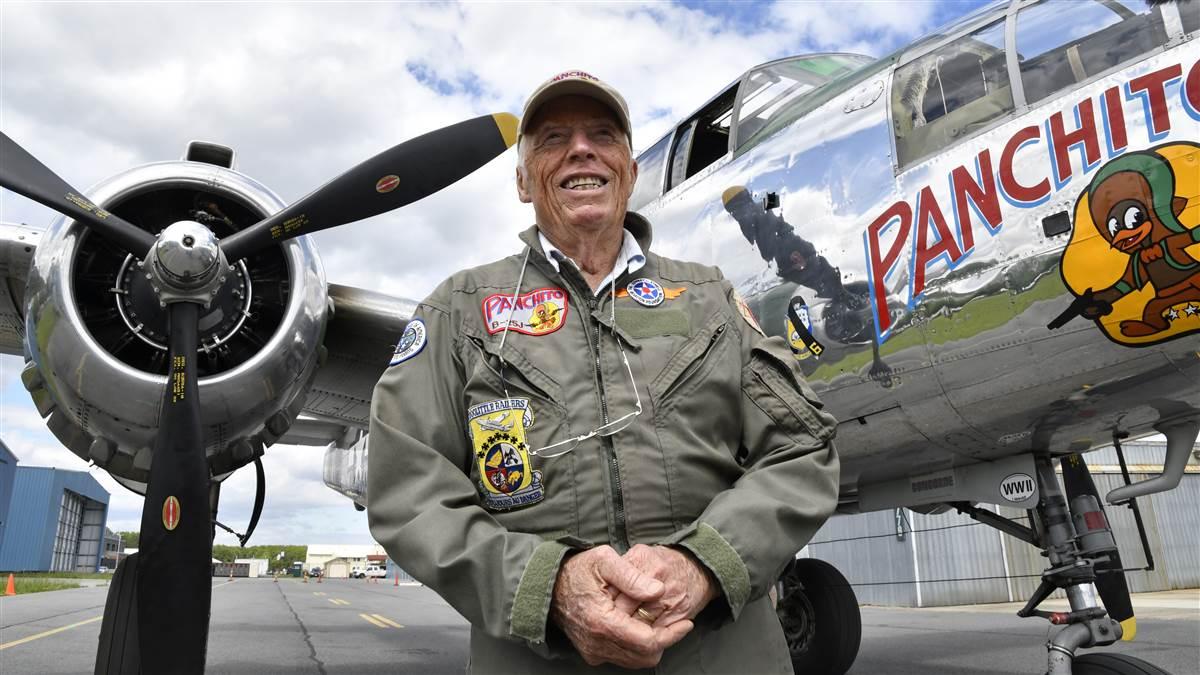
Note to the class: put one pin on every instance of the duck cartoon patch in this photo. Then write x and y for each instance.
(1133, 262)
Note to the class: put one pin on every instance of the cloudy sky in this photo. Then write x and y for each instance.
(305, 91)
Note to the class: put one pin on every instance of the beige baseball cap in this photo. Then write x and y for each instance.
(577, 82)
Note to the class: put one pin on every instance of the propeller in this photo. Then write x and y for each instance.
(393, 178)
(1110, 575)
(23, 174)
(175, 547)
(174, 582)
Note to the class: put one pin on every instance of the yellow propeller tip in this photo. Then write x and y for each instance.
(507, 124)
(1129, 629)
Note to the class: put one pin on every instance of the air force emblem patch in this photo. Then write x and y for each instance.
(506, 478)
(646, 292)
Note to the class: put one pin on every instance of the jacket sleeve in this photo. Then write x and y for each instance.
(424, 509)
(749, 532)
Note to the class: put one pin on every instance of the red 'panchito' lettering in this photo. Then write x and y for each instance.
(881, 266)
(1008, 181)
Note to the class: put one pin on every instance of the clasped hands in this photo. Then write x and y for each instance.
(627, 610)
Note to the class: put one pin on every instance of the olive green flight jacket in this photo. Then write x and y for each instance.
(731, 457)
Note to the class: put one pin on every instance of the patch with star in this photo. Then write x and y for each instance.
(668, 293)
(539, 312)
(646, 292)
(507, 479)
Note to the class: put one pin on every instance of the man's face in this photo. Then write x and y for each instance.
(578, 171)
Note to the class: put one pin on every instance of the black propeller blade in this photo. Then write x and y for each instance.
(174, 566)
(25, 175)
(409, 171)
(1110, 579)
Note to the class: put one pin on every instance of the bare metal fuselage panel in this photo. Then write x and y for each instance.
(931, 289)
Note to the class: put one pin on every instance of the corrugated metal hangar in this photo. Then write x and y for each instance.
(53, 520)
(902, 558)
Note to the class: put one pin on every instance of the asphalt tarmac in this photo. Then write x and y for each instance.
(352, 626)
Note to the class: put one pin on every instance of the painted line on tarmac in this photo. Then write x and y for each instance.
(60, 629)
(338, 601)
(48, 633)
(388, 621)
(318, 592)
(370, 619)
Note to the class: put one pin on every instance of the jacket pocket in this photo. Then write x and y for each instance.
(772, 381)
(520, 373)
(685, 366)
(549, 502)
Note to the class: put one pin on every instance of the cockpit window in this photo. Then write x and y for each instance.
(949, 93)
(1189, 13)
(650, 174)
(1061, 43)
(772, 89)
(702, 139)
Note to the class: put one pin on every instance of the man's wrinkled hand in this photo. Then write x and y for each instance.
(584, 608)
(688, 588)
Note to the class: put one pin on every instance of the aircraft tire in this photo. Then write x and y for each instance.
(820, 617)
(118, 652)
(1113, 664)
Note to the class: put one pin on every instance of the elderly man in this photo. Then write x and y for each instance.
(591, 451)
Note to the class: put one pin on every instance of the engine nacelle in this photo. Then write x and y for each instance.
(95, 336)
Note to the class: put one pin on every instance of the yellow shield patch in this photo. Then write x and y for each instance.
(498, 437)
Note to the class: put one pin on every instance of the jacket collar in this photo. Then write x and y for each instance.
(637, 225)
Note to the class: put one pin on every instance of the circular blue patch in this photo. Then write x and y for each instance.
(646, 292)
(411, 342)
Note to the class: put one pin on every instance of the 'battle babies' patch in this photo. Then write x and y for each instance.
(506, 478)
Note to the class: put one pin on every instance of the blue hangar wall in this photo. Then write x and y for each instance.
(8, 473)
(55, 521)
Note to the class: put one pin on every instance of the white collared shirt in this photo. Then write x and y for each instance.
(630, 258)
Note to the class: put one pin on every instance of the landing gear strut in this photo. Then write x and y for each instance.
(1084, 562)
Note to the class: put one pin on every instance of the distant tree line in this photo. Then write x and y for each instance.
(230, 553)
(267, 551)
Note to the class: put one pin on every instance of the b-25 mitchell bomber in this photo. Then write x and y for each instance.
(984, 250)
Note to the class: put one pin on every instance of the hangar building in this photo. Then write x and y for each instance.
(898, 557)
(54, 522)
(8, 472)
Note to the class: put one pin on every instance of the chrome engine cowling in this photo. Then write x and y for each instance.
(96, 342)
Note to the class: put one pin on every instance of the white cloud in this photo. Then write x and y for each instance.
(305, 91)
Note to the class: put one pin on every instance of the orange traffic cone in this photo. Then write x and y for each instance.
(12, 587)
(395, 578)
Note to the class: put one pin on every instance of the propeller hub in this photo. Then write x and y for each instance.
(187, 255)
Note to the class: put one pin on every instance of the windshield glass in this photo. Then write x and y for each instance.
(770, 90)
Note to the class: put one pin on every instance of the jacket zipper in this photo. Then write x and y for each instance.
(696, 363)
(614, 469)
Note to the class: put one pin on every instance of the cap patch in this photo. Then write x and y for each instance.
(538, 312)
(411, 342)
(574, 73)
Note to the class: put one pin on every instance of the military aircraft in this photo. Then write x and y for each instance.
(978, 248)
